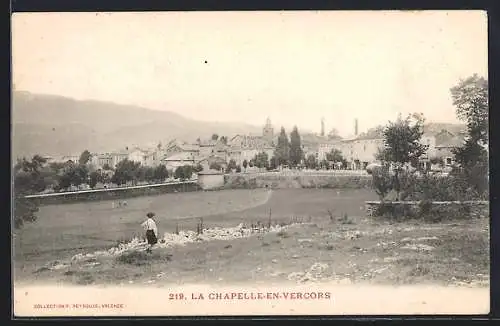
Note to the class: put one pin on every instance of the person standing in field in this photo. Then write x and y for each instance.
(151, 231)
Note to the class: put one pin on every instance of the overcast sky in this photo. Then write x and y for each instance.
(295, 67)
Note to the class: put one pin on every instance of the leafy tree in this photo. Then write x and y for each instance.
(333, 134)
(282, 151)
(245, 164)
(188, 171)
(382, 181)
(273, 163)
(215, 137)
(402, 145)
(334, 156)
(296, 154)
(324, 164)
(184, 172)
(85, 157)
(311, 161)
(238, 169)
(149, 174)
(215, 166)
(79, 175)
(93, 179)
(470, 97)
(107, 167)
(126, 171)
(223, 140)
(160, 173)
(231, 165)
(28, 180)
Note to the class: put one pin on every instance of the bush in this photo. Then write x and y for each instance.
(382, 182)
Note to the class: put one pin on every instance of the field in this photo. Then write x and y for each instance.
(345, 247)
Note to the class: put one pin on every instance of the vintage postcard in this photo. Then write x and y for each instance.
(250, 163)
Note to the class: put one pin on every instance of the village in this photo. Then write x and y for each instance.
(241, 153)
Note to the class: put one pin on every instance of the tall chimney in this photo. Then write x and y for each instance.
(355, 127)
(322, 127)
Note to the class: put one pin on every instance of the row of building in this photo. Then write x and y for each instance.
(358, 151)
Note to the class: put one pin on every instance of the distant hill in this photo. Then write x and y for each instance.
(56, 125)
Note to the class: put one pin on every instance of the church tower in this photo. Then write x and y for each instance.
(267, 131)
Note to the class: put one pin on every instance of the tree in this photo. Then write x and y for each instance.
(402, 145)
(107, 167)
(296, 153)
(335, 156)
(261, 160)
(28, 180)
(223, 140)
(126, 171)
(245, 164)
(93, 179)
(149, 174)
(282, 151)
(79, 175)
(215, 166)
(238, 169)
(85, 157)
(183, 172)
(382, 181)
(160, 173)
(187, 171)
(215, 137)
(273, 163)
(311, 162)
(470, 97)
(231, 166)
(333, 134)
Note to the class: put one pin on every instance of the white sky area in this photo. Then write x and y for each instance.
(294, 67)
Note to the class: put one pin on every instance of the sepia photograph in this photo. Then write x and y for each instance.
(250, 163)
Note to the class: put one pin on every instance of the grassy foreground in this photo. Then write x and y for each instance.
(352, 250)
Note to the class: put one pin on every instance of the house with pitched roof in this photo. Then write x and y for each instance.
(246, 147)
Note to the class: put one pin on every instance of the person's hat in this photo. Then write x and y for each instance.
(150, 214)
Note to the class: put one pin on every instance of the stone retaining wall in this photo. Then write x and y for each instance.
(114, 194)
(250, 181)
(449, 209)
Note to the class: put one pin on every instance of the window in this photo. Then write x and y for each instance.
(448, 160)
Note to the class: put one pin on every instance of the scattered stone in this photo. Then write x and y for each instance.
(418, 247)
(427, 238)
(171, 239)
(274, 261)
(92, 264)
(295, 276)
